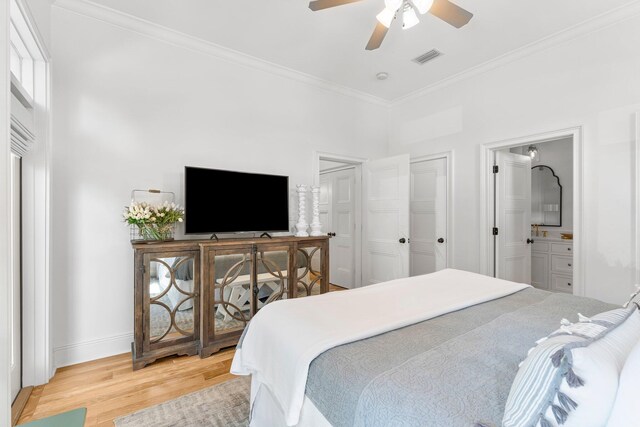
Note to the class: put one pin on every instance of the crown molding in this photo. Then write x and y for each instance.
(582, 29)
(177, 38)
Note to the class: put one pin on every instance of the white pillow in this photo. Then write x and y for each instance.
(625, 410)
(571, 378)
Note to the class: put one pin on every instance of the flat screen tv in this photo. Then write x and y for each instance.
(221, 201)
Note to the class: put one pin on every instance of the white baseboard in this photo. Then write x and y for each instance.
(91, 350)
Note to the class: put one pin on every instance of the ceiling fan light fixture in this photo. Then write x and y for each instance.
(386, 16)
(409, 17)
(423, 6)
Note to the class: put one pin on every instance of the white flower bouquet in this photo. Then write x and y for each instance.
(153, 222)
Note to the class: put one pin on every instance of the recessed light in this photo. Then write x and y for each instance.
(382, 75)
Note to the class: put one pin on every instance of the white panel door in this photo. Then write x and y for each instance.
(513, 216)
(338, 201)
(385, 248)
(326, 190)
(16, 276)
(428, 197)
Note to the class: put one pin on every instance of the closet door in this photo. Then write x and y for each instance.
(386, 219)
(338, 209)
(428, 216)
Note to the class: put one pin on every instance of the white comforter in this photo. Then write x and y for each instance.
(285, 336)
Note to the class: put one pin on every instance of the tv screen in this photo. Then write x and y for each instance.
(220, 201)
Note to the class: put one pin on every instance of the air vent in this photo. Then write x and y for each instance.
(426, 57)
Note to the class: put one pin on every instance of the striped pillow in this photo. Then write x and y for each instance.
(571, 377)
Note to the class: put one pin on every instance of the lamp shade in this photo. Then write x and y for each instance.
(409, 18)
(386, 16)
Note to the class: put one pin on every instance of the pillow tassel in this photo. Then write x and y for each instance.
(559, 413)
(544, 422)
(584, 319)
(556, 358)
(567, 403)
(573, 380)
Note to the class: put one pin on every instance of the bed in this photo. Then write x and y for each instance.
(448, 354)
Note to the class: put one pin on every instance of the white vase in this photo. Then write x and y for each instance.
(316, 227)
(302, 224)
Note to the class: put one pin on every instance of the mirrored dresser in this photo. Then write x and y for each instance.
(197, 296)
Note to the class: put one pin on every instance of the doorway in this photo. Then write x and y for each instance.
(339, 190)
(340, 180)
(402, 217)
(533, 208)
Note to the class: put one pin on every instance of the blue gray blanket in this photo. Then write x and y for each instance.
(453, 370)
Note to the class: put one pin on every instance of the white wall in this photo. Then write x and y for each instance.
(558, 155)
(593, 82)
(131, 112)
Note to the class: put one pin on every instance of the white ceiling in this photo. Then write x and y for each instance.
(330, 44)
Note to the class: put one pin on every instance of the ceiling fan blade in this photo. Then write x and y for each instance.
(377, 37)
(326, 4)
(450, 13)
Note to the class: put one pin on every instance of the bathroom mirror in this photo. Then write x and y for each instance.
(546, 197)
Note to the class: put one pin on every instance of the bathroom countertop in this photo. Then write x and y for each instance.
(550, 239)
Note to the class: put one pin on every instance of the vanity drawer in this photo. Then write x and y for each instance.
(540, 246)
(562, 283)
(562, 248)
(561, 263)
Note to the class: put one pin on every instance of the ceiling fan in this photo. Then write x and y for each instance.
(443, 9)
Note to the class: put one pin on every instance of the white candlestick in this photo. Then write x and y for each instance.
(302, 224)
(316, 227)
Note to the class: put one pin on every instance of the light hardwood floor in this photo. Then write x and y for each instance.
(109, 388)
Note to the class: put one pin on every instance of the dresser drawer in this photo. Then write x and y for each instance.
(561, 263)
(562, 248)
(562, 283)
(540, 246)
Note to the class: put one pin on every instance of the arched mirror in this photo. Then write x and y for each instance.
(546, 197)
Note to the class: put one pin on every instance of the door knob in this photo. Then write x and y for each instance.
(441, 240)
(402, 240)
(529, 241)
(331, 234)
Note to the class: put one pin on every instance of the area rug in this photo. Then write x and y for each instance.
(223, 405)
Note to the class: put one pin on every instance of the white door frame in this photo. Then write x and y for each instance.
(448, 156)
(487, 195)
(5, 261)
(357, 162)
(37, 357)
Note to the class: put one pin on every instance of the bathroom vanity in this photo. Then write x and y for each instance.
(552, 264)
